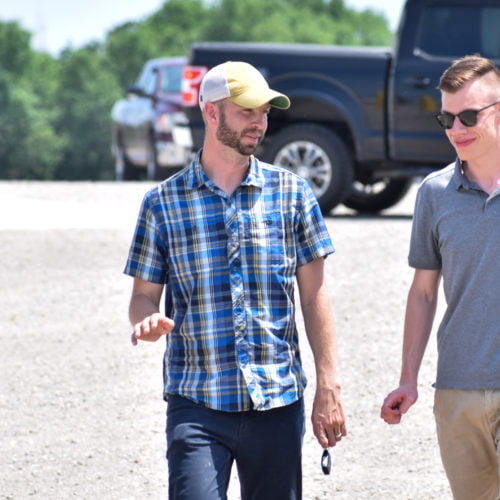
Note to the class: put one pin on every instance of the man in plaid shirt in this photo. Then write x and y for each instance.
(226, 238)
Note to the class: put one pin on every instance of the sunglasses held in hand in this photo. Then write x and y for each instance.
(326, 462)
(467, 117)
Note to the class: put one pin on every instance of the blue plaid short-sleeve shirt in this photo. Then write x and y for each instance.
(228, 264)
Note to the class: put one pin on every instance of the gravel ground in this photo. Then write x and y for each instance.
(81, 413)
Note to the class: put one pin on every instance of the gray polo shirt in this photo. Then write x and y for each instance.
(456, 228)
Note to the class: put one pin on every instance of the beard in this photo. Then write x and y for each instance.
(232, 139)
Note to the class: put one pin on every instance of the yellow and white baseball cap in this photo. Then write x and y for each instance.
(242, 84)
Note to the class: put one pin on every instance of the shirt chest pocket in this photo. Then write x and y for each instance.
(264, 237)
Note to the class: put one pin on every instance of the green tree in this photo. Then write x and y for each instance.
(168, 32)
(294, 21)
(29, 145)
(127, 48)
(177, 25)
(15, 50)
(375, 29)
(87, 91)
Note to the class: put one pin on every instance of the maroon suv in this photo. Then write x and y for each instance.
(142, 123)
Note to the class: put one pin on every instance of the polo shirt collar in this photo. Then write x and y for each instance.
(460, 179)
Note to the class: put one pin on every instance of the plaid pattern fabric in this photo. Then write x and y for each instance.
(228, 263)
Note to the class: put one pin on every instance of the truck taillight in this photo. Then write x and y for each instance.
(190, 86)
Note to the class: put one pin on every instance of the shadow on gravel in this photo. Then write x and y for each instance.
(367, 217)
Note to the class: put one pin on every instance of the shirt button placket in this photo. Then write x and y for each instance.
(238, 300)
(235, 275)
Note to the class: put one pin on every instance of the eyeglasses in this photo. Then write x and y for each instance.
(467, 117)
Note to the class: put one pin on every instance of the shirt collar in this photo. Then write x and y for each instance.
(461, 180)
(255, 176)
(198, 178)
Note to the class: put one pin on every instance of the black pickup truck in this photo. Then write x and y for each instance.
(361, 124)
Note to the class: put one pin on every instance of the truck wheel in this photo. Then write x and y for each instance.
(378, 194)
(319, 156)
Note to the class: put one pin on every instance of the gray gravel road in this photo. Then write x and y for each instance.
(81, 413)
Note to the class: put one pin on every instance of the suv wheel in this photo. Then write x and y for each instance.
(152, 172)
(124, 170)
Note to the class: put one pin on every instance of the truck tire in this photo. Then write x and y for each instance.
(377, 195)
(318, 155)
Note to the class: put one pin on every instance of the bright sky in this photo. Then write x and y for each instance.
(56, 24)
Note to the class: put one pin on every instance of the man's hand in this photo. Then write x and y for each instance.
(398, 402)
(151, 328)
(328, 419)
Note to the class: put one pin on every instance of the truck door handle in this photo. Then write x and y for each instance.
(419, 82)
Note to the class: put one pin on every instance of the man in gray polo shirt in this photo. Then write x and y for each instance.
(456, 236)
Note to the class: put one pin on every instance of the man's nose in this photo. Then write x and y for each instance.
(261, 119)
(457, 124)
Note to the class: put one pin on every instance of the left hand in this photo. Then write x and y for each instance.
(328, 418)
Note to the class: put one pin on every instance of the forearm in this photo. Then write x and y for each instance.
(419, 318)
(141, 306)
(144, 312)
(327, 417)
(420, 310)
(320, 330)
(318, 321)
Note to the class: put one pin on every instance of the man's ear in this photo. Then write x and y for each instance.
(211, 113)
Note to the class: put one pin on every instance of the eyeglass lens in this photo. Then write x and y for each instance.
(326, 462)
(468, 117)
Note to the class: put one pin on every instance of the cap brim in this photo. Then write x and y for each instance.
(255, 98)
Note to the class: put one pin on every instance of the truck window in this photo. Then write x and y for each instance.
(454, 31)
(490, 34)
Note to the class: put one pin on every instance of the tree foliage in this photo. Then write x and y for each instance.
(30, 148)
(86, 94)
(55, 112)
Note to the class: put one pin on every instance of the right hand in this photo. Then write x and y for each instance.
(328, 418)
(151, 328)
(398, 402)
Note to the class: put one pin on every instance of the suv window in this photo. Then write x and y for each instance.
(150, 81)
(171, 79)
(458, 30)
(147, 78)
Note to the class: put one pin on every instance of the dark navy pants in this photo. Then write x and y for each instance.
(202, 445)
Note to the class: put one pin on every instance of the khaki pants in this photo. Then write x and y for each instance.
(468, 429)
